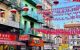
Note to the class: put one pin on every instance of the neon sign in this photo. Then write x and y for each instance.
(7, 37)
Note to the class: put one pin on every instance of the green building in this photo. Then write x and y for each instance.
(28, 20)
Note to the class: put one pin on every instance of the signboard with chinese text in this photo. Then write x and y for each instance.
(23, 37)
(7, 37)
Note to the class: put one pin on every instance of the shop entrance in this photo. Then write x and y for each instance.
(7, 47)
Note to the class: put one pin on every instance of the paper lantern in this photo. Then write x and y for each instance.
(13, 10)
(25, 8)
(39, 6)
(56, 2)
(2, 12)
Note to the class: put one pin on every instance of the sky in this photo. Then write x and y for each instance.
(63, 3)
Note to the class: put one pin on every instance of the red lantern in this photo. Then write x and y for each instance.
(25, 8)
(56, 2)
(39, 6)
(2, 12)
(13, 10)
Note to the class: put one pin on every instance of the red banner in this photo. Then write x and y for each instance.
(23, 37)
(10, 37)
(76, 0)
(58, 31)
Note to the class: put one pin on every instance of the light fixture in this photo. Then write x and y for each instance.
(39, 6)
(13, 10)
(25, 8)
(56, 2)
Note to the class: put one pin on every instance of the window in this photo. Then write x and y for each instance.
(37, 41)
(32, 24)
(26, 5)
(25, 22)
(13, 17)
(2, 13)
(32, 9)
(72, 36)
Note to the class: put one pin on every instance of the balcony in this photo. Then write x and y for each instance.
(31, 2)
(9, 23)
(11, 3)
(34, 16)
(7, 2)
(30, 14)
(40, 18)
(37, 1)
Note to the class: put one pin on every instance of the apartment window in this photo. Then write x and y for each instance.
(32, 9)
(2, 13)
(25, 22)
(32, 24)
(26, 5)
(77, 42)
(13, 17)
(72, 36)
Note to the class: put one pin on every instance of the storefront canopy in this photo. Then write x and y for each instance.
(11, 42)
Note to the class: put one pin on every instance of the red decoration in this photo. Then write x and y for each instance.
(58, 31)
(2, 12)
(23, 37)
(25, 8)
(13, 10)
(76, 0)
(39, 6)
(56, 2)
(7, 37)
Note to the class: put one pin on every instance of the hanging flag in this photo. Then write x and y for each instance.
(58, 31)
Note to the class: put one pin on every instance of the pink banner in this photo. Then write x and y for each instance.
(58, 31)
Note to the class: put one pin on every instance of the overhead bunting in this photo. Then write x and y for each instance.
(68, 12)
(58, 31)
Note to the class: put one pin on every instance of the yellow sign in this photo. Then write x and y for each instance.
(60, 48)
(64, 45)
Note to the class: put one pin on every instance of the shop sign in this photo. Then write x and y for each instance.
(23, 37)
(7, 37)
(36, 43)
(47, 46)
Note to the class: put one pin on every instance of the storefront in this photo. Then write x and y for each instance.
(24, 38)
(8, 42)
(35, 43)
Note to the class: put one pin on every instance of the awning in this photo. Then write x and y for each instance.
(11, 42)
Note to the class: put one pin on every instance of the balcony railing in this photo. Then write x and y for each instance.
(31, 2)
(9, 23)
(7, 2)
(37, 1)
(30, 14)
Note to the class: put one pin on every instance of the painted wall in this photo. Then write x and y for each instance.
(8, 13)
(32, 14)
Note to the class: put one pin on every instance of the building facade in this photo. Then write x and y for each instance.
(31, 19)
(9, 24)
(74, 38)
